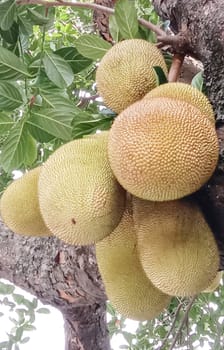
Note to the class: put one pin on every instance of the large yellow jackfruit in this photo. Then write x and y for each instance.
(126, 284)
(187, 93)
(19, 206)
(80, 199)
(162, 149)
(176, 246)
(125, 73)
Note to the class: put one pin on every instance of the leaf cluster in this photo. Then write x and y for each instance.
(22, 316)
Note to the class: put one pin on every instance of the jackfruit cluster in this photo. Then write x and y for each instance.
(127, 190)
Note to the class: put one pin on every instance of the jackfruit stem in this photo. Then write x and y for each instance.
(174, 72)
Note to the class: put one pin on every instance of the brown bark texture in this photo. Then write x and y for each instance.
(101, 19)
(63, 276)
(199, 31)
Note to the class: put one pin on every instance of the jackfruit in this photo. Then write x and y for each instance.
(176, 246)
(126, 284)
(80, 199)
(125, 73)
(187, 93)
(19, 206)
(215, 283)
(162, 149)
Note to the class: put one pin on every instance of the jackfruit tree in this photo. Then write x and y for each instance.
(92, 115)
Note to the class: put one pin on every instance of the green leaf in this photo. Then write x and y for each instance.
(11, 67)
(11, 35)
(161, 76)
(126, 18)
(29, 327)
(4, 345)
(6, 288)
(92, 46)
(110, 309)
(114, 29)
(9, 303)
(35, 302)
(43, 310)
(25, 340)
(85, 124)
(54, 122)
(39, 134)
(198, 81)
(25, 25)
(7, 13)
(31, 149)
(18, 298)
(32, 316)
(74, 58)
(37, 18)
(19, 333)
(6, 123)
(57, 70)
(13, 320)
(15, 151)
(58, 101)
(10, 97)
(28, 304)
(128, 337)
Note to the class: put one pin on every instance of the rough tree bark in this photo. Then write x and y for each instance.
(67, 277)
(63, 276)
(101, 19)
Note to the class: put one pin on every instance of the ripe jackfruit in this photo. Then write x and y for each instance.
(125, 73)
(184, 92)
(19, 206)
(80, 199)
(126, 284)
(176, 246)
(162, 149)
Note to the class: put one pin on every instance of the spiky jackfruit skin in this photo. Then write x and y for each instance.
(187, 93)
(19, 206)
(125, 73)
(162, 149)
(176, 246)
(215, 283)
(80, 199)
(126, 284)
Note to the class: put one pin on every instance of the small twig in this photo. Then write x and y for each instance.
(91, 6)
(182, 322)
(151, 26)
(175, 68)
(86, 99)
(173, 325)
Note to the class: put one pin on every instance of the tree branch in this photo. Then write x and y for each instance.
(91, 6)
(172, 326)
(184, 320)
(175, 68)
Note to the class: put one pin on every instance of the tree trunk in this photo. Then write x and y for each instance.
(199, 29)
(63, 276)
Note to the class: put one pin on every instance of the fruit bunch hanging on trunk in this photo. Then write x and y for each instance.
(129, 190)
